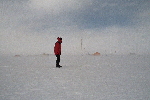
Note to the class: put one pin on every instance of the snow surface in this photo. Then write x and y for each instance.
(82, 77)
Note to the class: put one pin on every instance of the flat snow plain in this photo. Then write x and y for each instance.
(82, 77)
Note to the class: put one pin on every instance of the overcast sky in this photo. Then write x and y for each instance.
(106, 26)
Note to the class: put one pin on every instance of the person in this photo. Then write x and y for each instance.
(57, 51)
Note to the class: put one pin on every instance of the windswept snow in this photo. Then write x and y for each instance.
(86, 77)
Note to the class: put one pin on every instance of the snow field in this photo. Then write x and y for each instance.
(82, 77)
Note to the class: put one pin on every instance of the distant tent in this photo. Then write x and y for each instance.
(45, 54)
(17, 55)
(96, 54)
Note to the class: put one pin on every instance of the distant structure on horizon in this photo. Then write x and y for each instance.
(96, 54)
(81, 44)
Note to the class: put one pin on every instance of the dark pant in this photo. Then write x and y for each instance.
(58, 59)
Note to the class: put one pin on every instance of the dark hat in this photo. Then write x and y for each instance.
(59, 38)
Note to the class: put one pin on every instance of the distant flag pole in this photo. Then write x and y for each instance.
(81, 44)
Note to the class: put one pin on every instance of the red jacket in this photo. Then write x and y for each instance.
(57, 48)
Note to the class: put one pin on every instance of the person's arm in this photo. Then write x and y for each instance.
(56, 49)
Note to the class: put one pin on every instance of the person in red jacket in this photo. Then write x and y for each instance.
(57, 51)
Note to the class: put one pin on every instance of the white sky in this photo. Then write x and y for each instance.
(106, 26)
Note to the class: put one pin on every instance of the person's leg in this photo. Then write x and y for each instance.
(58, 60)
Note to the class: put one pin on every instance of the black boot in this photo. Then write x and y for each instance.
(57, 64)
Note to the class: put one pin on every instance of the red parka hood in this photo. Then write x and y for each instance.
(59, 39)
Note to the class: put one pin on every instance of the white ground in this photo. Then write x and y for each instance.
(86, 77)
